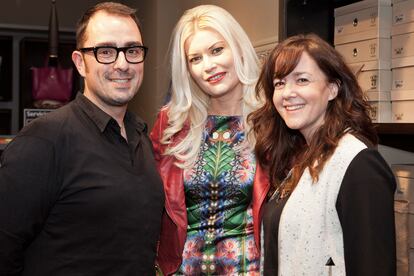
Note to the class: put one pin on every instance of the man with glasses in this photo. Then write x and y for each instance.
(79, 190)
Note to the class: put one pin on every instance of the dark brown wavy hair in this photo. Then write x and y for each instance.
(278, 148)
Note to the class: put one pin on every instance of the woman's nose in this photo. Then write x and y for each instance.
(208, 63)
(289, 90)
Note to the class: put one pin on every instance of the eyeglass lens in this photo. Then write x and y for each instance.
(132, 54)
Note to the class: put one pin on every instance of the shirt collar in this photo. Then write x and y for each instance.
(101, 119)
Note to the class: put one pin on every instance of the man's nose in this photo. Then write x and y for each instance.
(121, 63)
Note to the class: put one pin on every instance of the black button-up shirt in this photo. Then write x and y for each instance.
(76, 198)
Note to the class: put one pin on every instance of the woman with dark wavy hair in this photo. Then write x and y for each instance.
(331, 208)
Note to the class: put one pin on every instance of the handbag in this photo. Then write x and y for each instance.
(52, 82)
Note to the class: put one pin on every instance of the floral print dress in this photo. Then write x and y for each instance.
(218, 190)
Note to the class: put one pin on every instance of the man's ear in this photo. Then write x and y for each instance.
(77, 59)
(333, 90)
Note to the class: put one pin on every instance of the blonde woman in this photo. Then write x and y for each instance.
(214, 190)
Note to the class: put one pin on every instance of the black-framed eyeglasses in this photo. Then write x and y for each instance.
(109, 54)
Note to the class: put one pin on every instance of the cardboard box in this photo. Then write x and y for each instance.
(403, 78)
(363, 20)
(378, 49)
(402, 12)
(402, 106)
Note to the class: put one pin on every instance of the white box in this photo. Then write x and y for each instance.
(402, 106)
(378, 96)
(381, 112)
(411, 228)
(403, 78)
(402, 45)
(380, 106)
(404, 217)
(363, 20)
(368, 50)
(402, 39)
(401, 213)
(375, 80)
(402, 28)
(404, 175)
(402, 12)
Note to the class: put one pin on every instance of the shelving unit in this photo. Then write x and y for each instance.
(400, 136)
(25, 47)
(297, 18)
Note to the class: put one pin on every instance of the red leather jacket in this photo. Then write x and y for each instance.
(174, 222)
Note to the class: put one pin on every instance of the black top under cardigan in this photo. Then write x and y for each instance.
(365, 209)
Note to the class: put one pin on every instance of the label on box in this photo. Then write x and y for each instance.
(398, 84)
(398, 18)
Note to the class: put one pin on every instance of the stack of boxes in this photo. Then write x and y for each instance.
(402, 93)
(363, 37)
(376, 39)
(404, 218)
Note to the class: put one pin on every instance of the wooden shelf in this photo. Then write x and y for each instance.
(396, 135)
(21, 49)
(4, 140)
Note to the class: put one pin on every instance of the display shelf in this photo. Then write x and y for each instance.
(5, 121)
(6, 54)
(4, 140)
(22, 48)
(396, 135)
(33, 53)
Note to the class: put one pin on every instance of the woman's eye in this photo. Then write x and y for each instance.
(302, 81)
(278, 84)
(194, 59)
(217, 50)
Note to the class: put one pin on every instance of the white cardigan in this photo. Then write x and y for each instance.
(309, 230)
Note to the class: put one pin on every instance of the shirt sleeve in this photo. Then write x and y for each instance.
(26, 178)
(365, 208)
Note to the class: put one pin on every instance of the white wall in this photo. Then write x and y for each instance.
(36, 12)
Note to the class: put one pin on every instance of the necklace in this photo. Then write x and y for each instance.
(280, 192)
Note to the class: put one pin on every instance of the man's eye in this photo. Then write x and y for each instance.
(106, 52)
(134, 51)
(217, 50)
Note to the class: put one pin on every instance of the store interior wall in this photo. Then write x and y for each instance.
(258, 18)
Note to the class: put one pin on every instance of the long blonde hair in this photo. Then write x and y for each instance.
(189, 104)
